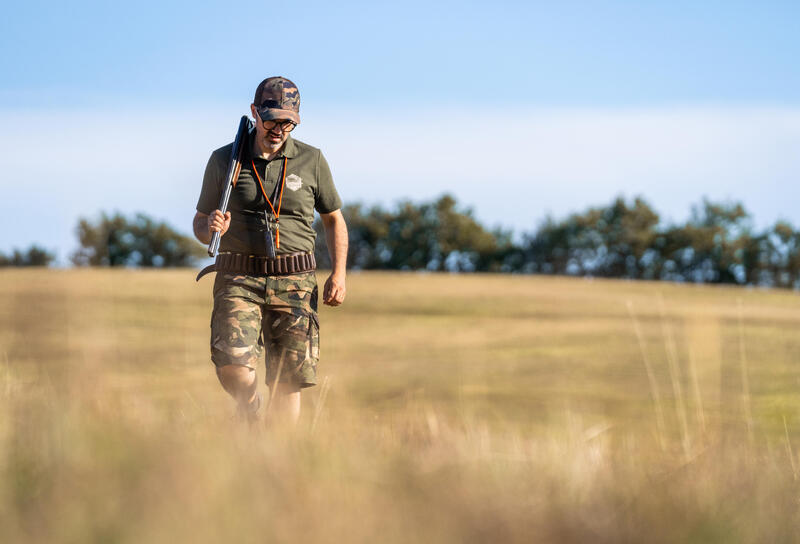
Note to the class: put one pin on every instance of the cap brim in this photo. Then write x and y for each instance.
(274, 113)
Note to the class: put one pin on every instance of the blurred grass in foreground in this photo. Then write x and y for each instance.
(459, 408)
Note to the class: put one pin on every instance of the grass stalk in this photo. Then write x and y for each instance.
(274, 389)
(323, 394)
(698, 398)
(8, 374)
(789, 451)
(675, 377)
(746, 402)
(651, 378)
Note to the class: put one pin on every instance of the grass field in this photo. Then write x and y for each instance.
(475, 408)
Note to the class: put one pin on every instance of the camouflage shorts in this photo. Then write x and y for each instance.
(279, 312)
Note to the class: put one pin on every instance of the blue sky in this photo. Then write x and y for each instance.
(555, 106)
(542, 53)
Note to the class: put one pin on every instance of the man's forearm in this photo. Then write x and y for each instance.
(336, 236)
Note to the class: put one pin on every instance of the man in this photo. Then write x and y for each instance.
(260, 301)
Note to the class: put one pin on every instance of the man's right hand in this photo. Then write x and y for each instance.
(218, 222)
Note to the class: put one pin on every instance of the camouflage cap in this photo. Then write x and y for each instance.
(277, 98)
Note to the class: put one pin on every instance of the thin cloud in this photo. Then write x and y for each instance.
(515, 167)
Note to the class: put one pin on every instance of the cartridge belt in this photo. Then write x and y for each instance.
(257, 265)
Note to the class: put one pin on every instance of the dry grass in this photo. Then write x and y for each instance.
(456, 408)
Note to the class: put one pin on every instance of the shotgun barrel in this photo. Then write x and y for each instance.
(234, 166)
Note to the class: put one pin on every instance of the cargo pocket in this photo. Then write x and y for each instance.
(295, 345)
(313, 338)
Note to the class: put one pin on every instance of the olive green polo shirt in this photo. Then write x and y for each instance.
(308, 187)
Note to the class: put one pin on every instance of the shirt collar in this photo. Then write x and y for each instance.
(289, 149)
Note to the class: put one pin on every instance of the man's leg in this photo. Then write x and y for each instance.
(236, 345)
(291, 334)
(286, 402)
(293, 337)
(239, 381)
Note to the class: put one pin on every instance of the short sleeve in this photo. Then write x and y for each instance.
(212, 184)
(327, 198)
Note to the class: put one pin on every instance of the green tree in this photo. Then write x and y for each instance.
(777, 257)
(366, 228)
(433, 235)
(710, 247)
(612, 241)
(33, 256)
(138, 241)
(463, 244)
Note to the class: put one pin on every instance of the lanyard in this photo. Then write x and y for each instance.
(275, 212)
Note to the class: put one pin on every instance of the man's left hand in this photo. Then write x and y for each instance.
(334, 291)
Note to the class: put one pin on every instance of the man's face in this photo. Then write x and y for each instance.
(269, 134)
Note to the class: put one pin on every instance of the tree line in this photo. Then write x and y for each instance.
(117, 240)
(625, 239)
(33, 256)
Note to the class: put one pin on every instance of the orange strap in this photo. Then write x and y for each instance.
(236, 172)
(280, 199)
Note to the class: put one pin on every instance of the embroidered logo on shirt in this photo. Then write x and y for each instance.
(294, 182)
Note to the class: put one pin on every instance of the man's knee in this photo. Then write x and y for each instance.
(237, 379)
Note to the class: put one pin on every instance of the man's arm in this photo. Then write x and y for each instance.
(203, 225)
(336, 236)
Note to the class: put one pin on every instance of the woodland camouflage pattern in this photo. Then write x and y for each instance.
(277, 98)
(279, 312)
